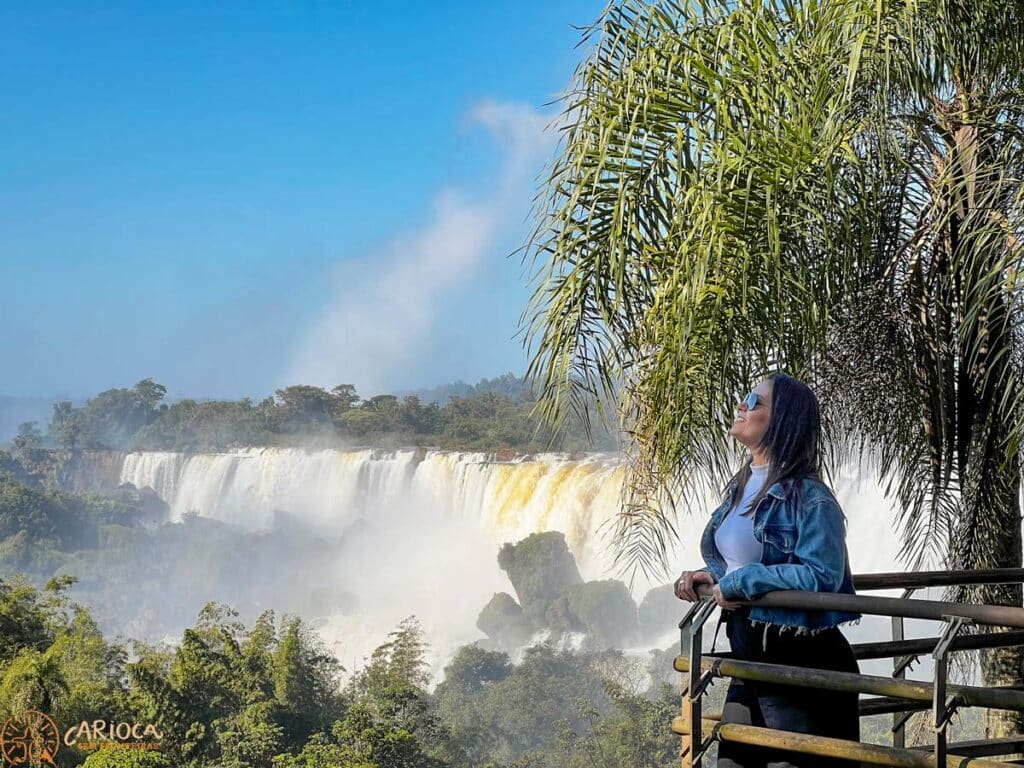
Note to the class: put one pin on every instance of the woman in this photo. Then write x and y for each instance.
(780, 527)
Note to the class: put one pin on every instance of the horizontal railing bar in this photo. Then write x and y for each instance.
(923, 579)
(850, 682)
(935, 610)
(824, 746)
(993, 615)
(983, 747)
(889, 648)
(887, 705)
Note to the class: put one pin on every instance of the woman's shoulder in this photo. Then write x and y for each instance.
(812, 491)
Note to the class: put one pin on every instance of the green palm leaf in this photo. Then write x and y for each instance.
(832, 187)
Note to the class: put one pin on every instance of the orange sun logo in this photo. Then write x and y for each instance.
(31, 740)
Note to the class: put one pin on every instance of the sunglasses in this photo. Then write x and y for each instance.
(751, 401)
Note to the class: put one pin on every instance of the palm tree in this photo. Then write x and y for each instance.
(829, 186)
(34, 680)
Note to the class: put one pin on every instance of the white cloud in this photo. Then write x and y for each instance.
(384, 307)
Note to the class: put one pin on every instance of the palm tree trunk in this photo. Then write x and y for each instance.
(987, 395)
(990, 537)
(1004, 666)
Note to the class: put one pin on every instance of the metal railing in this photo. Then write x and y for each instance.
(893, 694)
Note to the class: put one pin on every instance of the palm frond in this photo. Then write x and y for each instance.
(740, 186)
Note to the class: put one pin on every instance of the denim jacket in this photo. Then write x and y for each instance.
(803, 533)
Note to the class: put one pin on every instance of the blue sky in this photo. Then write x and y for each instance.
(229, 197)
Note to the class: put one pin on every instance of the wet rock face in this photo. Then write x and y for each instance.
(540, 568)
(659, 611)
(503, 621)
(84, 471)
(152, 508)
(553, 597)
(605, 611)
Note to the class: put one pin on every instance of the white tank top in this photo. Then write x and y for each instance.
(735, 536)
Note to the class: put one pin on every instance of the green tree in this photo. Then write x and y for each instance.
(369, 737)
(467, 679)
(494, 415)
(127, 758)
(386, 407)
(303, 407)
(194, 695)
(399, 665)
(416, 417)
(29, 620)
(91, 672)
(251, 738)
(831, 187)
(345, 397)
(473, 669)
(33, 680)
(36, 512)
(236, 697)
(391, 720)
(633, 734)
(305, 682)
(28, 440)
(55, 519)
(197, 426)
(150, 393)
(55, 660)
(509, 716)
(362, 423)
(320, 752)
(66, 425)
(111, 419)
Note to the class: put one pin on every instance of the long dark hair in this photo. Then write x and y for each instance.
(792, 440)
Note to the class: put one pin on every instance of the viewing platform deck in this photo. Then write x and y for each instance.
(892, 694)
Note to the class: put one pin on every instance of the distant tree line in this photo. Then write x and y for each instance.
(493, 415)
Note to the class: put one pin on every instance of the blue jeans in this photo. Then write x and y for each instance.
(788, 708)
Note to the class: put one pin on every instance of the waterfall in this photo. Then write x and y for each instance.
(505, 500)
(248, 487)
(434, 521)
(329, 489)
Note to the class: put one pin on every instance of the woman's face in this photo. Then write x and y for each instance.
(750, 426)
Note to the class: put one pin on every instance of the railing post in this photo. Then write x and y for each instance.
(691, 635)
(899, 670)
(943, 707)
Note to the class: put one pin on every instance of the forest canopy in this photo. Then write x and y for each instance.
(494, 414)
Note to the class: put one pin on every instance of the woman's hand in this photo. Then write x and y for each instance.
(729, 605)
(686, 585)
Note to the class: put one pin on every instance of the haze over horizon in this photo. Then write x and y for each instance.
(338, 209)
(174, 394)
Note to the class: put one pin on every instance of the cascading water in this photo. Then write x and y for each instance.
(329, 490)
(434, 521)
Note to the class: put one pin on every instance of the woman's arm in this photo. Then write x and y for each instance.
(820, 550)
